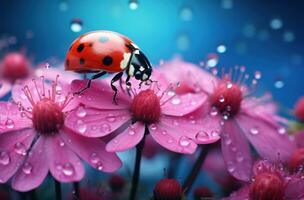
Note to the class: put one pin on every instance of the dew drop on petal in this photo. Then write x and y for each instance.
(131, 131)
(282, 130)
(221, 99)
(68, 169)
(213, 111)
(81, 112)
(94, 158)
(99, 167)
(61, 143)
(4, 158)
(184, 141)
(164, 132)
(111, 118)
(20, 149)
(27, 168)
(239, 157)
(153, 127)
(202, 136)
(171, 93)
(9, 124)
(230, 167)
(254, 131)
(81, 127)
(176, 100)
(105, 128)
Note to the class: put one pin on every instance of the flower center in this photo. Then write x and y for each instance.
(227, 98)
(146, 107)
(15, 66)
(47, 116)
(267, 186)
(297, 159)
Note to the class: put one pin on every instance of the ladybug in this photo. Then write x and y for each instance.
(104, 52)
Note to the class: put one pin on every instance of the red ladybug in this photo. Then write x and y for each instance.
(103, 52)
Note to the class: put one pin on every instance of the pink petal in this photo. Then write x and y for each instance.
(13, 148)
(11, 119)
(34, 170)
(199, 125)
(64, 164)
(187, 73)
(236, 151)
(92, 151)
(127, 139)
(100, 95)
(181, 105)
(52, 72)
(295, 187)
(93, 122)
(173, 138)
(266, 138)
(5, 88)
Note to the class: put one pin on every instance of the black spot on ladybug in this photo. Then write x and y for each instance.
(103, 39)
(67, 62)
(80, 48)
(107, 60)
(81, 61)
(91, 44)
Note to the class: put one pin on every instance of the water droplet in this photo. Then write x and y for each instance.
(282, 130)
(257, 75)
(9, 124)
(176, 101)
(254, 131)
(184, 141)
(131, 131)
(221, 49)
(186, 13)
(171, 93)
(230, 166)
(239, 157)
(76, 25)
(27, 168)
(164, 132)
(170, 141)
(153, 127)
(81, 127)
(221, 99)
(111, 118)
(99, 167)
(276, 23)
(81, 112)
(213, 111)
(105, 128)
(202, 136)
(68, 169)
(133, 4)
(20, 149)
(228, 141)
(279, 84)
(4, 158)
(94, 158)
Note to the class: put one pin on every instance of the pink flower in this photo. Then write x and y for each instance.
(270, 181)
(170, 119)
(238, 117)
(34, 138)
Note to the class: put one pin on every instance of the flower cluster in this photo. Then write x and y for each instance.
(46, 128)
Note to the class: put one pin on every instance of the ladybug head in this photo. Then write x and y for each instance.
(140, 66)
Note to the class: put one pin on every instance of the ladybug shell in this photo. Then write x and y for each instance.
(98, 51)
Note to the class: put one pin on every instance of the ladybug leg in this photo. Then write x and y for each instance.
(96, 76)
(117, 77)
